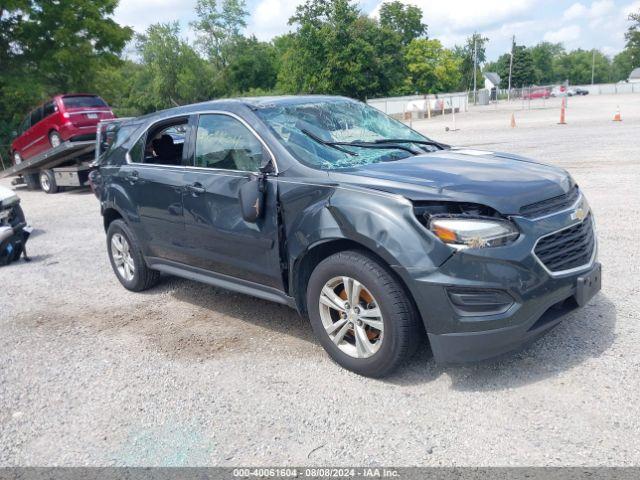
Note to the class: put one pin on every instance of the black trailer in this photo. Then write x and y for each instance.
(65, 166)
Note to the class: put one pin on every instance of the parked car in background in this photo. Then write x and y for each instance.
(65, 117)
(562, 91)
(535, 93)
(372, 230)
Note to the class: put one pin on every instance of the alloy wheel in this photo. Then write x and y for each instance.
(45, 184)
(122, 259)
(55, 139)
(351, 317)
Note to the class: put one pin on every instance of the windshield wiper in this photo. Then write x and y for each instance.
(439, 145)
(378, 146)
(334, 145)
(386, 145)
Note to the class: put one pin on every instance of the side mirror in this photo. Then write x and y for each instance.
(252, 195)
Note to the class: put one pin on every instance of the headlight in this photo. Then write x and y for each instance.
(463, 233)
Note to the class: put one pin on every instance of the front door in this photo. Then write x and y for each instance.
(226, 154)
(155, 178)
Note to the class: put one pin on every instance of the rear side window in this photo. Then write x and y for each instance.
(225, 143)
(113, 136)
(83, 102)
(36, 116)
(49, 109)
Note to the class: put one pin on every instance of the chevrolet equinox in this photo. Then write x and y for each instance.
(377, 233)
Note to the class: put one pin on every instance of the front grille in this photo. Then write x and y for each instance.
(555, 204)
(568, 249)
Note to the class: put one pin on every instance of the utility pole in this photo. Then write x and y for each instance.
(475, 69)
(513, 43)
(593, 67)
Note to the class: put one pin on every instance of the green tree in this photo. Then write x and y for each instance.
(252, 66)
(633, 39)
(338, 50)
(432, 68)
(476, 44)
(522, 74)
(406, 20)
(218, 26)
(543, 55)
(575, 66)
(621, 66)
(523, 71)
(178, 75)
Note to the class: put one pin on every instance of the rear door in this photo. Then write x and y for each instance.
(226, 154)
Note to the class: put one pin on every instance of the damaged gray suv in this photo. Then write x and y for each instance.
(384, 238)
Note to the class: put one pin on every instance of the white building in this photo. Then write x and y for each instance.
(634, 77)
(491, 80)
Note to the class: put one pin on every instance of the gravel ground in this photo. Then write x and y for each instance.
(191, 375)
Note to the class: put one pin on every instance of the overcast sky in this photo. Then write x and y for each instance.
(587, 24)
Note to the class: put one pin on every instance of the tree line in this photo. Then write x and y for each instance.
(334, 48)
(549, 63)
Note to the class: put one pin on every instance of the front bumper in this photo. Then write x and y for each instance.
(541, 299)
(464, 347)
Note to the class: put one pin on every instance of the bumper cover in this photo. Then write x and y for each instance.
(541, 298)
(524, 323)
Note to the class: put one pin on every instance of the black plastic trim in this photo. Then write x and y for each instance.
(219, 280)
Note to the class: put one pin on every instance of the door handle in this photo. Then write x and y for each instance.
(133, 177)
(196, 189)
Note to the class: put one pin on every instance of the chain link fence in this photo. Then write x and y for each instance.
(416, 107)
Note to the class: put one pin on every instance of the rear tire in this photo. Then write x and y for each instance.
(127, 260)
(48, 182)
(55, 140)
(398, 332)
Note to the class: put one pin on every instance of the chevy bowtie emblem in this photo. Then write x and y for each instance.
(579, 214)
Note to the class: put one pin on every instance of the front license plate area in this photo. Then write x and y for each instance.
(589, 285)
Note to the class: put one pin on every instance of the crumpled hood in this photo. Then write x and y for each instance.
(502, 181)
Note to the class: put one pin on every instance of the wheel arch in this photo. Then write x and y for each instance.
(109, 215)
(306, 263)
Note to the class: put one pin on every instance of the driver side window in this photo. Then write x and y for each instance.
(223, 142)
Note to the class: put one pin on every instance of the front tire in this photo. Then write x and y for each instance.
(48, 182)
(361, 314)
(126, 259)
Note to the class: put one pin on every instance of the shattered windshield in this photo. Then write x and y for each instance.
(320, 133)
